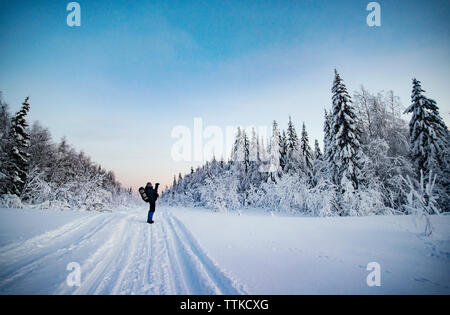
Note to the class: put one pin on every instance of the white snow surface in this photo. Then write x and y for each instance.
(196, 251)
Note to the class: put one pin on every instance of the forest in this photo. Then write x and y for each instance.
(38, 172)
(371, 161)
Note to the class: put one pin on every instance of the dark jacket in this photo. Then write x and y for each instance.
(152, 194)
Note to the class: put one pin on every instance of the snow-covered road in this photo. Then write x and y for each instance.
(197, 251)
(119, 253)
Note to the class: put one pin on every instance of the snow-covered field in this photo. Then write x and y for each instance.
(195, 251)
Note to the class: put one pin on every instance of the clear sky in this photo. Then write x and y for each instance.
(119, 83)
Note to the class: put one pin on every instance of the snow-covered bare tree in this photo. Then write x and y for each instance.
(379, 117)
(422, 199)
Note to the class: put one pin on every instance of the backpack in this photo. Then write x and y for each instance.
(143, 194)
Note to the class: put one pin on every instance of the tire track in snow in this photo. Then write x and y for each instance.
(119, 253)
(160, 275)
(205, 276)
(99, 269)
(20, 262)
(129, 280)
(25, 248)
(179, 284)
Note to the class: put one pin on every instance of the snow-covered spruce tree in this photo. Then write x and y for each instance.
(37, 189)
(327, 137)
(317, 152)
(344, 148)
(274, 167)
(264, 159)
(429, 140)
(244, 178)
(20, 141)
(306, 151)
(317, 165)
(246, 161)
(237, 154)
(241, 162)
(180, 184)
(293, 155)
(5, 122)
(253, 147)
(254, 163)
(283, 150)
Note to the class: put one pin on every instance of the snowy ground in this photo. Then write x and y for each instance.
(194, 251)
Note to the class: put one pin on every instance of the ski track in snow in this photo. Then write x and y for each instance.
(119, 253)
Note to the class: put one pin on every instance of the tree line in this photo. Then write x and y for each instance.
(372, 162)
(37, 171)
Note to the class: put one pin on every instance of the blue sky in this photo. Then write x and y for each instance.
(119, 83)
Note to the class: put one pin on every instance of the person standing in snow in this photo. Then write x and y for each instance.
(152, 194)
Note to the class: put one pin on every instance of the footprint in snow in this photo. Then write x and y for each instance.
(421, 280)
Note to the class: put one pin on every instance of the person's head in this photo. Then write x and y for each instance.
(149, 185)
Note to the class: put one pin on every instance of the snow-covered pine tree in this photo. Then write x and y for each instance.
(318, 164)
(174, 183)
(5, 121)
(293, 158)
(274, 167)
(263, 158)
(254, 163)
(246, 161)
(317, 152)
(344, 152)
(18, 157)
(429, 141)
(253, 149)
(240, 155)
(237, 155)
(283, 150)
(326, 135)
(240, 158)
(180, 181)
(305, 150)
(244, 176)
